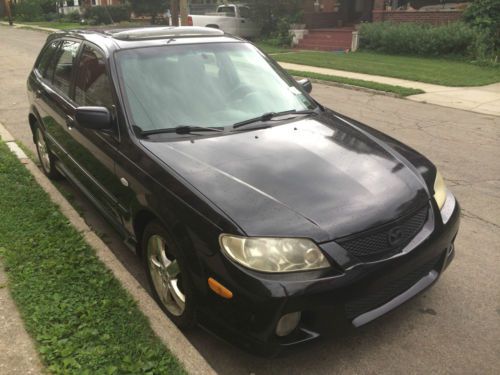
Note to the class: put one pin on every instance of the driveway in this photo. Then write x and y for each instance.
(452, 328)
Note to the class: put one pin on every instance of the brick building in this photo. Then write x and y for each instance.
(330, 23)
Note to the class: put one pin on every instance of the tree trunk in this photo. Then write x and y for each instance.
(175, 12)
(8, 12)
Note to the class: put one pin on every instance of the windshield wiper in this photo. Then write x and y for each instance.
(183, 129)
(270, 115)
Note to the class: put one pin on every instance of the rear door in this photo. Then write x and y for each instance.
(53, 94)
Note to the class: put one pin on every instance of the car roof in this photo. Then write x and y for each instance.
(110, 38)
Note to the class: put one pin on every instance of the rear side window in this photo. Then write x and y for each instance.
(92, 87)
(66, 56)
(45, 58)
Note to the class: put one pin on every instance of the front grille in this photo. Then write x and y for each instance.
(392, 289)
(376, 245)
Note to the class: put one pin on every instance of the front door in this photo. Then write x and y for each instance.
(94, 151)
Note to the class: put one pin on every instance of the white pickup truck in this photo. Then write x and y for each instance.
(232, 18)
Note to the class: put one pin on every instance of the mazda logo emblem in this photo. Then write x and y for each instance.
(395, 236)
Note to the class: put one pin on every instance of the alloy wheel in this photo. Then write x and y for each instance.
(43, 152)
(166, 276)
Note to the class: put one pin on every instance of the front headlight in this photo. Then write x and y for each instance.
(439, 190)
(274, 254)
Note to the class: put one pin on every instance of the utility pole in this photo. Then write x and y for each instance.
(183, 5)
(7, 11)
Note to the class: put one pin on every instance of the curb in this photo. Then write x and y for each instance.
(352, 87)
(167, 332)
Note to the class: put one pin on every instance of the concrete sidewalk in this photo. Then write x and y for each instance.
(482, 99)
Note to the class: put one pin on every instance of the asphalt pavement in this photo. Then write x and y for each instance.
(452, 328)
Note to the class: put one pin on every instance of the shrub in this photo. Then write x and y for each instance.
(485, 16)
(119, 12)
(51, 16)
(73, 17)
(269, 13)
(456, 38)
(280, 37)
(28, 10)
(107, 14)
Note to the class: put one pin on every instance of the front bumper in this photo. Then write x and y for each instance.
(352, 296)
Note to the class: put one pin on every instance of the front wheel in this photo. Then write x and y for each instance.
(167, 275)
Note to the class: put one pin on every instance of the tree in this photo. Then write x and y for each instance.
(485, 16)
(273, 13)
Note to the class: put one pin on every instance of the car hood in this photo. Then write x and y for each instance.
(318, 177)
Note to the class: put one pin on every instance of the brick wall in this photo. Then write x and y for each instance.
(434, 18)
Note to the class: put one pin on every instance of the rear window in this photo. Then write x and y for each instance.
(228, 10)
(45, 59)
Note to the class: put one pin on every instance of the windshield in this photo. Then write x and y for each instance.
(203, 85)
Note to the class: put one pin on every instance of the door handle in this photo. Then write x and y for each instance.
(70, 121)
(38, 93)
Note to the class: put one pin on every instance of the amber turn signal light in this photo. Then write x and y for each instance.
(219, 289)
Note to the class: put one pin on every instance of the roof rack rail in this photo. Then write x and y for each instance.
(162, 32)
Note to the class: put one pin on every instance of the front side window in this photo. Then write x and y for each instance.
(66, 56)
(207, 85)
(92, 86)
(43, 65)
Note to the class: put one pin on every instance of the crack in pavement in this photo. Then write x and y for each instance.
(467, 214)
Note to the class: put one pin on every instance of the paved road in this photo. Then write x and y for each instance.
(452, 328)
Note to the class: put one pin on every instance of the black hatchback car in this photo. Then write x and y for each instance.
(259, 214)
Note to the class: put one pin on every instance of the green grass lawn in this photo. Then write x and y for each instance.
(431, 70)
(269, 49)
(398, 90)
(80, 317)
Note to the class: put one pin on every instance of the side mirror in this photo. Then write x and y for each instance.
(95, 118)
(306, 85)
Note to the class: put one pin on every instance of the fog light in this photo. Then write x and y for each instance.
(287, 324)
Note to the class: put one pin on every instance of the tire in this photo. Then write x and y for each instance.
(45, 156)
(168, 275)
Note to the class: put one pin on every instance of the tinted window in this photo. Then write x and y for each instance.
(212, 84)
(64, 67)
(45, 59)
(229, 10)
(92, 87)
